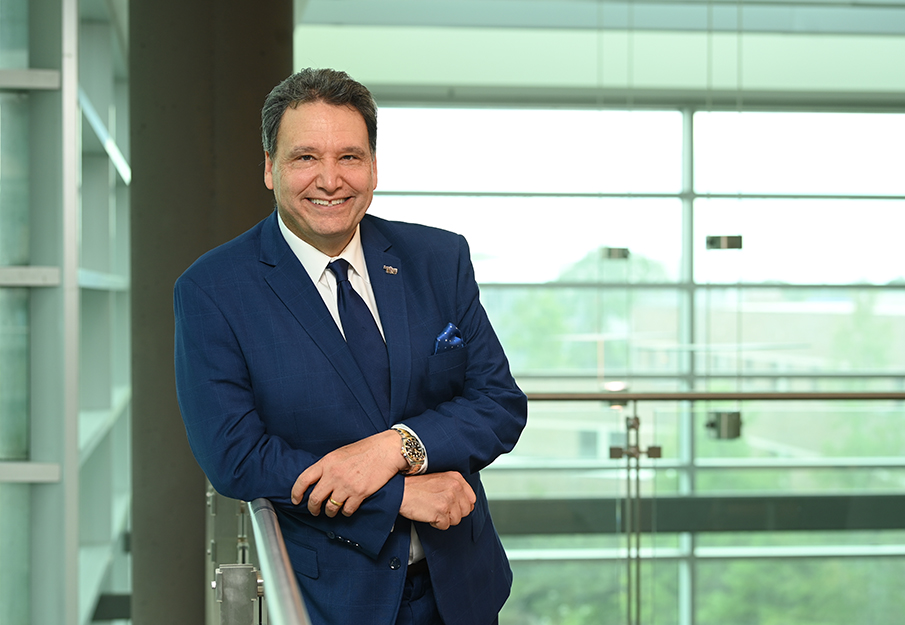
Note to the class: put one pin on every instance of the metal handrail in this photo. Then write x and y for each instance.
(620, 397)
(285, 605)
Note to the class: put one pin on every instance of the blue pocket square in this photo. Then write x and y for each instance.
(449, 339)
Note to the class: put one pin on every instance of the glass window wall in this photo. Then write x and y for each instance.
(595, 268)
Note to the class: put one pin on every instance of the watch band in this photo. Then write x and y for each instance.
(412, 450)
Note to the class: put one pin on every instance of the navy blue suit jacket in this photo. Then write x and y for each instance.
(267, 386)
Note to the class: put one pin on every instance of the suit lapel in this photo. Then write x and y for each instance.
(388, 278)
(292, 285)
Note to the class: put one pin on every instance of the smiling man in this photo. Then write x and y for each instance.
(342, 366)
(322, 173)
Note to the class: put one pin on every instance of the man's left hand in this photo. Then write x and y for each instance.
(347, 476)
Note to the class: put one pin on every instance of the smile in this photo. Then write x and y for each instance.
(327, 202)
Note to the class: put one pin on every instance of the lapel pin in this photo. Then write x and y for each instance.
(390, 270)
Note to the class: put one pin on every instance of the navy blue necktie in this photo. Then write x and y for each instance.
(363, 336)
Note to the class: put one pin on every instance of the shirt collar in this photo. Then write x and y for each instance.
(315, 262)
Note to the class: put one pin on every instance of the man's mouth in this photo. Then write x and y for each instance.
(327, 202)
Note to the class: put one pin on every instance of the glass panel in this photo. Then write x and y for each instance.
(607, 334)
(14, 379)
(804, 331)
(807, 430)
(848, 480)
(590, 592)
(802, 241)
(801, 153)
(809, 382)
(832, 591)
(534, 240)
(13, 34)
(14, 173)
(867, 541)
(564, 453)
(15, 538)
(816, 447)
(529, 151)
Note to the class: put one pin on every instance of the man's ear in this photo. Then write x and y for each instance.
(268, 171)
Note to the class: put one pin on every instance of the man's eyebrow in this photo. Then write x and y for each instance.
(298, 150)
(354, 149)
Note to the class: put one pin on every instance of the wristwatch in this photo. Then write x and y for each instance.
(412, 450)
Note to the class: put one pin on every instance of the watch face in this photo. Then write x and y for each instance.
(413, 450)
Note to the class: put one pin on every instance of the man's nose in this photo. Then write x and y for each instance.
(329, 176)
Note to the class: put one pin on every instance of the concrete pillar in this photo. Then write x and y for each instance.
(199, 72)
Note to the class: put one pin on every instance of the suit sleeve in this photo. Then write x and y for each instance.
(229, 438)
(483, 417)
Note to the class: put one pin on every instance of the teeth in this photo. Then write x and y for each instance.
(327, 202)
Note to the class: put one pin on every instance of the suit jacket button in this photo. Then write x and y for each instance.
(395, 563)
(331, 535)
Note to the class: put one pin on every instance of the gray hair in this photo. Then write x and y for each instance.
(316, 85)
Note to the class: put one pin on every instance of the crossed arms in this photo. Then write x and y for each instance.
(353, 473)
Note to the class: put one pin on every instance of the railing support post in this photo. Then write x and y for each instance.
(238, 589)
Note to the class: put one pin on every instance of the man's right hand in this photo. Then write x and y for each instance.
(347, 476)
(441, 499)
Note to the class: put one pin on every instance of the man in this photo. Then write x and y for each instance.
(342, 366)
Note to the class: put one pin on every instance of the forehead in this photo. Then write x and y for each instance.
(323, 126)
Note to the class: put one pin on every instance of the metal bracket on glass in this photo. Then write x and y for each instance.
(614, 253)
(725, 425)
(733, 242)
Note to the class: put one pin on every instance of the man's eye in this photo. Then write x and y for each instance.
(306, 157)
